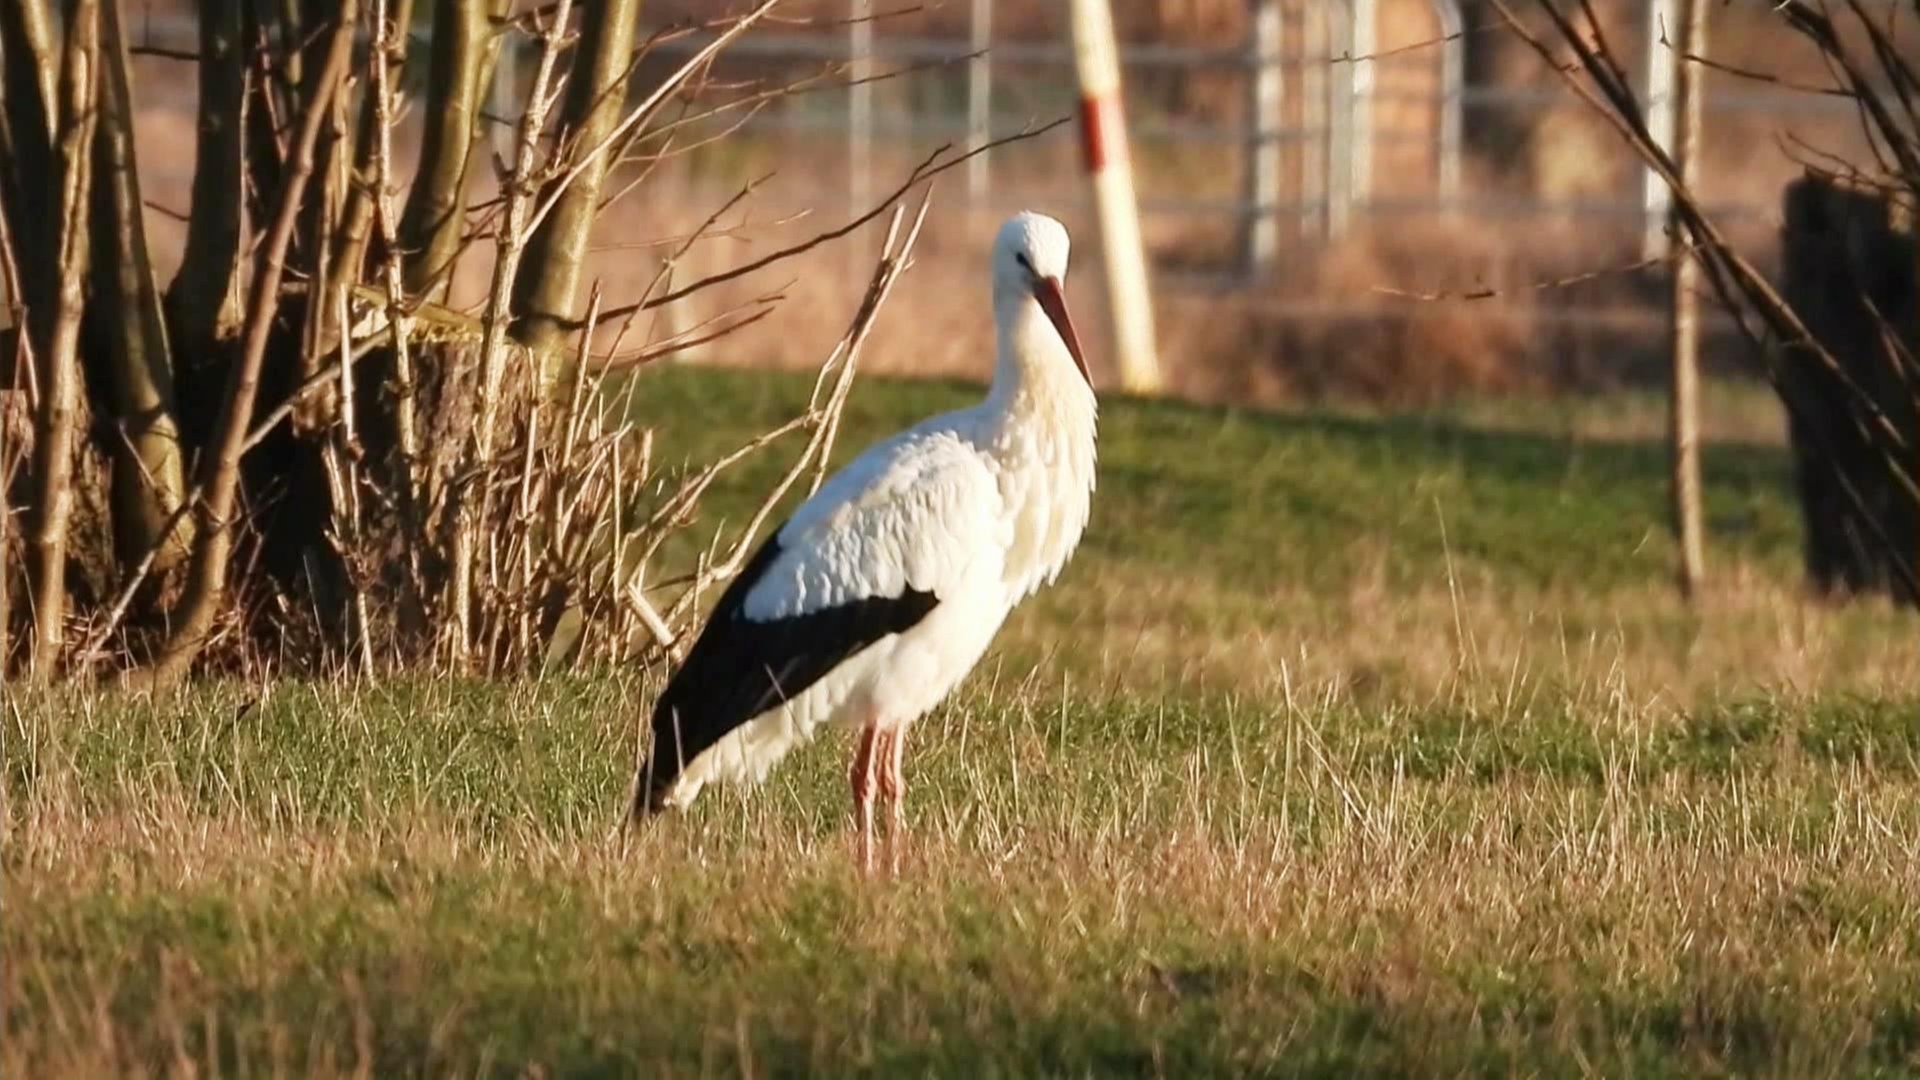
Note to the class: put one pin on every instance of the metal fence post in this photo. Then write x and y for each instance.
(1315, 34)
(1260, 229)
(979, 101)
(1453, 77)
(860, 104)
(1339, 87)
(1663, 62)
(1103, 129)
(1360, 47)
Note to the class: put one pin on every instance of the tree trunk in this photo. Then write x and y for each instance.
(1847, 269)
(220, 467)
(28, 62)
(430, 227)
(356, 222)
(203, 301)
(430, 231)
(130, 367)
(272, 88)
(57, 342)
(546, 290)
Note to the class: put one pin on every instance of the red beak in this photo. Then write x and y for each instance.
(1054, 303)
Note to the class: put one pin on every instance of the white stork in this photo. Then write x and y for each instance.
(882, 591)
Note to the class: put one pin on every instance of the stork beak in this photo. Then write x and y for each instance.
(1054, 303)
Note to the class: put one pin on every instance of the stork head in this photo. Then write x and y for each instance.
(1030, 260)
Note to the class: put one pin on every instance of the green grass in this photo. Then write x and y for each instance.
(1387, 549)
(1276, 780)
(1264, 499)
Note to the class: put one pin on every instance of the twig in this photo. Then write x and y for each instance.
(165, 211)
(183, 55)
(1382, 54)
(832, 77)
(823, 413)
(582, 161)
(681, 342)
(929, 168)
(1755, 75)
(1532, 286)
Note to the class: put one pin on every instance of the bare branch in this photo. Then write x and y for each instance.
(506, 267)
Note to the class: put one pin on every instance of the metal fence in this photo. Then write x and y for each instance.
(1307, 140)
(1318, 125)
(1305, 135)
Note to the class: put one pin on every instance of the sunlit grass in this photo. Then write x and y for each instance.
(431, 878)
(1278, 779)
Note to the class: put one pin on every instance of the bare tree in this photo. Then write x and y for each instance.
(1689, 520)
(375, 477)
(220, 471)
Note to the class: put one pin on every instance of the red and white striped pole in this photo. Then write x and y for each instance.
(1103, 132)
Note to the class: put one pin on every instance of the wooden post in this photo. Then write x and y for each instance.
(1103, 130)
(1684, 406)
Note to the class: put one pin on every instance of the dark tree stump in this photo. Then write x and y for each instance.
(1844, 260)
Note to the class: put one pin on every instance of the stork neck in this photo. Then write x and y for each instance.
(1033, 364)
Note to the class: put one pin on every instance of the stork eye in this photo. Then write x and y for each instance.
(1021, 258)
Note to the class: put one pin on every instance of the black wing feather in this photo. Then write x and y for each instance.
(740, 668)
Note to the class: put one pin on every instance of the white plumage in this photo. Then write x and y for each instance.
(883, 590)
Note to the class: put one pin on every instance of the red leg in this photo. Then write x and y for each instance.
(863, 776)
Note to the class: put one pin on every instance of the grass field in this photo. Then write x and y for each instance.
(1348, 745)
